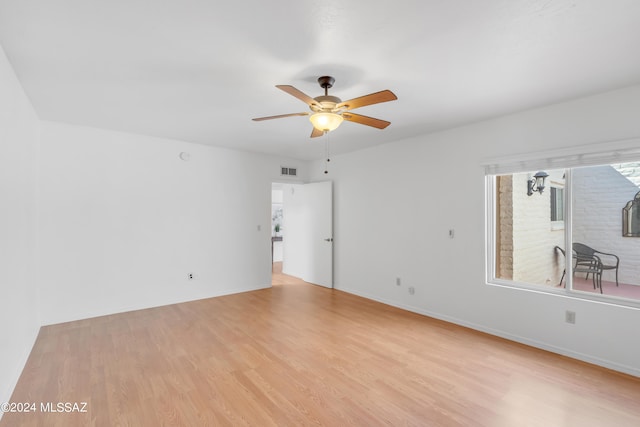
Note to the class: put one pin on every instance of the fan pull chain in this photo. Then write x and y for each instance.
(326, 142)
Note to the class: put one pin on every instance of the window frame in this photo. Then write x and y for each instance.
(556, 224)
(491, 173)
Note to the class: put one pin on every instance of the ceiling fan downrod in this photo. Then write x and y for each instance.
(326, 83)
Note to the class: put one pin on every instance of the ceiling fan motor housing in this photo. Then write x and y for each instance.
(327, 102)
(326, 82)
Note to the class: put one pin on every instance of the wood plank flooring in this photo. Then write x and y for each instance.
(297, 355)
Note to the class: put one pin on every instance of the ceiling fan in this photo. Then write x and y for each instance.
(328, 112)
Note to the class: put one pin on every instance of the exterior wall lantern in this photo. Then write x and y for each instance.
(536, 184)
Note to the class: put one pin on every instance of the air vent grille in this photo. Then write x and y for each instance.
(288, 171)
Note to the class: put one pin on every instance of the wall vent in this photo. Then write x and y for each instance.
(288, 171)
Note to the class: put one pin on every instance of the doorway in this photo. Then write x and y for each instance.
(277, 252)
(302, 231)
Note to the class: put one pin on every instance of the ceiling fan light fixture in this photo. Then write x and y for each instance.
(326, 122)
(327, 111)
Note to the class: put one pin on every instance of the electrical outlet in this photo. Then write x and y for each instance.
(412, 290)
(570, 317)
(398, 282)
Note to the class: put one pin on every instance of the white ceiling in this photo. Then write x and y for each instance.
(199, 70)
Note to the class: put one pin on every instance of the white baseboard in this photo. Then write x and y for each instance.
(71, 317)
(8, 389)
(499, 333)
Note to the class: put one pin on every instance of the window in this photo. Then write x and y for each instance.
(557, 204)
(528, 241)
(524, 231)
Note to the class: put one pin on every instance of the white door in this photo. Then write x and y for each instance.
(308, 232)
(319, 203)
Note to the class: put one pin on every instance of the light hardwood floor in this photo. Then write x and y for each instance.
(297, 355)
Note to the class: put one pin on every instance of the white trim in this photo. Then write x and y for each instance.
(7, 391)
(568, 230)
(499, 333)
(490, 227)
(153, 304)
(490, 240)
(584, 155)
(568, 293)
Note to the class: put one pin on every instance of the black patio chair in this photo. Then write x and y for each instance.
(586, 255)
(582, 264)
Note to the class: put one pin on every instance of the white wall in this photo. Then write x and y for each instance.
(123, 221)
(276, 195)
(395, 203)
(19, 128)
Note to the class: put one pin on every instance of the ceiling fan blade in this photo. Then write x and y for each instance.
(372, 98)
(364, 120)
(259, 119)
(298, 94)
(316, 133)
